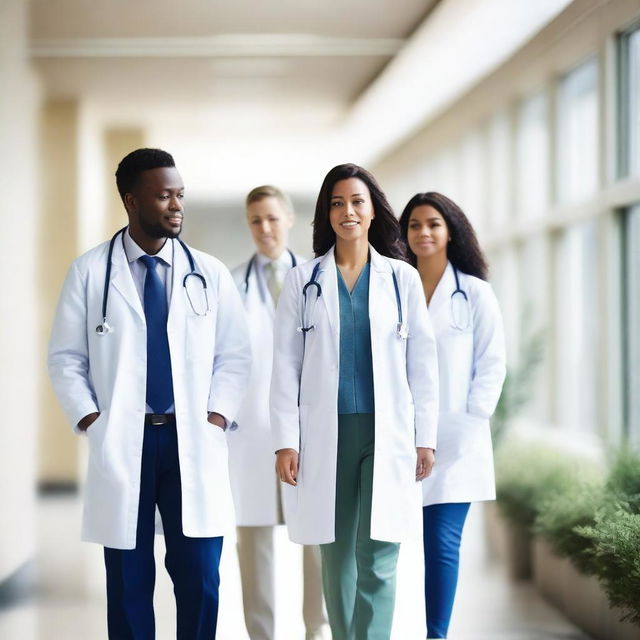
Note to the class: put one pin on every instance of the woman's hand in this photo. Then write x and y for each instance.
(424, 465)
(287, 465)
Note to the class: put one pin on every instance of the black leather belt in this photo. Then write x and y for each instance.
(158, 419)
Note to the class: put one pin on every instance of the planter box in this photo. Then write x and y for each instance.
(509, 543)
(621, 630)
(549, 573)
(580, 597)
(586, 603)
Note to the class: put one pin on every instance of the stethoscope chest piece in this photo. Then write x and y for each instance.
(103, 328)
(402, 331)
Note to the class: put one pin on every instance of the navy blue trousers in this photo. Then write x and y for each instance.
(442, 531)
(192, 563)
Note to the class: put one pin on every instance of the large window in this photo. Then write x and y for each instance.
(473, 178)
(532, 157)
(631, 318)
(444, 174)
(577, 135)
(578, 339)
(504, 278)
(629, 103)
(499, 169)
(535, 321)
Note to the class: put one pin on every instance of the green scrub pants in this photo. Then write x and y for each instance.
(358, 573)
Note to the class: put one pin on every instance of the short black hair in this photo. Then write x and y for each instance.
(133, 164)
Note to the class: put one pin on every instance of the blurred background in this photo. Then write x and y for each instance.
(525, 113)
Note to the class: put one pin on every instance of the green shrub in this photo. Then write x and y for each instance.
(595, 523)
(561, 517)
(615, 551)
(623, 482)
(516, 391)
(527, 474)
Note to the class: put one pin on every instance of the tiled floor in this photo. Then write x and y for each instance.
(70, 605)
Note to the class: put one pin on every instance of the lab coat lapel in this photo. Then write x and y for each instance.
(380, 284)
(181, 268)
(328, 279)
(442, 294)
(122, 280)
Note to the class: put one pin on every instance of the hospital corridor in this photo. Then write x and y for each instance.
(522, 119)
(69, 602)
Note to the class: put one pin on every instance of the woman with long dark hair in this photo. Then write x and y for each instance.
(442, 245)
(354, 400)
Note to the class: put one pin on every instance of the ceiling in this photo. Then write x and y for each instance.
(276, 91)
(307, 54)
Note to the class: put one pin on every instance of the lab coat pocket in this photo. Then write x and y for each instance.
(303, 413)
(301, 459)
(289, 500)
(96, 434)
(199, 337)
(458, 342)
(95, 431)
(458, 434)
(214, 430)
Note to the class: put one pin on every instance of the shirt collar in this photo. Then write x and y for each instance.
(135, 252)
(284, 260)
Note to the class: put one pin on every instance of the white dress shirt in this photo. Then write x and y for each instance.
(283, 264)
(134, 252)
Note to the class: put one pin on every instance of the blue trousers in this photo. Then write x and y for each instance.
(192, 563)
(442, 531)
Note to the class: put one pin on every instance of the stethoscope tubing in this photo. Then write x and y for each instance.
(313, 282)
(252, 261)
(103, 328)
(458, 289)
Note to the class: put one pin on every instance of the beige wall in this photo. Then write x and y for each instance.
(117, 144)
(58, 246)
(19, 338)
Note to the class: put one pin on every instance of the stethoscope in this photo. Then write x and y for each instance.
(104, 327)
(459, 301)
(308, 312)
(252, 262)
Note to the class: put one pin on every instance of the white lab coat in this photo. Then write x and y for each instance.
(210, 360)
(405, 378)
(251, 455)
(471, 366)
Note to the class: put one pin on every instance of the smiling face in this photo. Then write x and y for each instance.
(269, 222)
(427, 234)
(155, 204)
(351, 209)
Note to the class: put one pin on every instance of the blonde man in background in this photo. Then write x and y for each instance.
(255, 487)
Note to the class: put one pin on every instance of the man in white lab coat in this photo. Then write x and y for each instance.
(251, 453)
(150, 356)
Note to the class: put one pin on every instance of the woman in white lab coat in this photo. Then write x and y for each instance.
(471, 357)
(354, 400)
(254, 484)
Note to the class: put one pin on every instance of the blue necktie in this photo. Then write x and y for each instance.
(159, 380)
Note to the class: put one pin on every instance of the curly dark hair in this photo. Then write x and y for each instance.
(384, 232)
(133, 164)
(463, 251)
